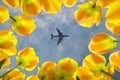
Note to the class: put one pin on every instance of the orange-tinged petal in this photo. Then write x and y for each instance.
(114, 59)
(102, 43)
(95, 63)
(30, 7)
(4, 14)
(46, 66)
(23, 25)
(51, 6)
(113, 12)
(69, 3)
(7, 61)
(28, 59)
(16, 74)
(10, 51)
(68, 64)
(88, 14)
(33, 77)
(50, 68)
(84, 73)
(106, 3)
(11, 3)
(113, 27)
(8, 42)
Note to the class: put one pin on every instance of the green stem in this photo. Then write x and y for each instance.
(116, 41)
(12, 18)
(109, 75)
(10, 70)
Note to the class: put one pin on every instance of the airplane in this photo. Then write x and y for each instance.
(60, 35)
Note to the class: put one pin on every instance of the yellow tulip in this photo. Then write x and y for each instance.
(4, 14)
(23, 25)
(69, 3)
(28, 59)
(16, 74)
(95, 63)
(68, 64)
(8, 42)
(88, 14)
(113, 18)
(84, 73)
(42, 74)
(33, 77)
(51, 6)
(114, 59)
(50, 68)
(30, 7)
(7, 59)
(102, 43)
(11, 3)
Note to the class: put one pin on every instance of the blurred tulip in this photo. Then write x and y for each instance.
(16, 74)
(7, 60)
(28, 59)
(84, 73)
(30, 7)
(23, 25)
(68, 64)
(106, 3)
(97, 64)
(113, 18)
(8, 42)
(11, 3)
(114, 59)
(88, 14)
(50, 68)
(51, 6)
(102, 43)
(4, 14)
(32, 77)
(42, 75)
(69, 3)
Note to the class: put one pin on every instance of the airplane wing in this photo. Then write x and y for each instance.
(59, 31)
(60, 39)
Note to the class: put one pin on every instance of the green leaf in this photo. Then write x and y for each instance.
(77, 78)
(2, 62)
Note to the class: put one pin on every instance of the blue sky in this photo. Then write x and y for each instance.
(76, 46)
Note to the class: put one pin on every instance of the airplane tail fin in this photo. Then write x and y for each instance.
(51, 36)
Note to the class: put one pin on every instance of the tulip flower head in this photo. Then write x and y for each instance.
(84, 73)
(50, 6)
(97, 65)
(23, 25)
(8, 42)
(88, 14)
(4, 14)
(114, 59)
(113, 18)
(50, 68)
(102, 43)
(30, 7)
(28, 59)
(68, 64)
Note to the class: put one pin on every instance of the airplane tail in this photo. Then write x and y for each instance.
(51, 36)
